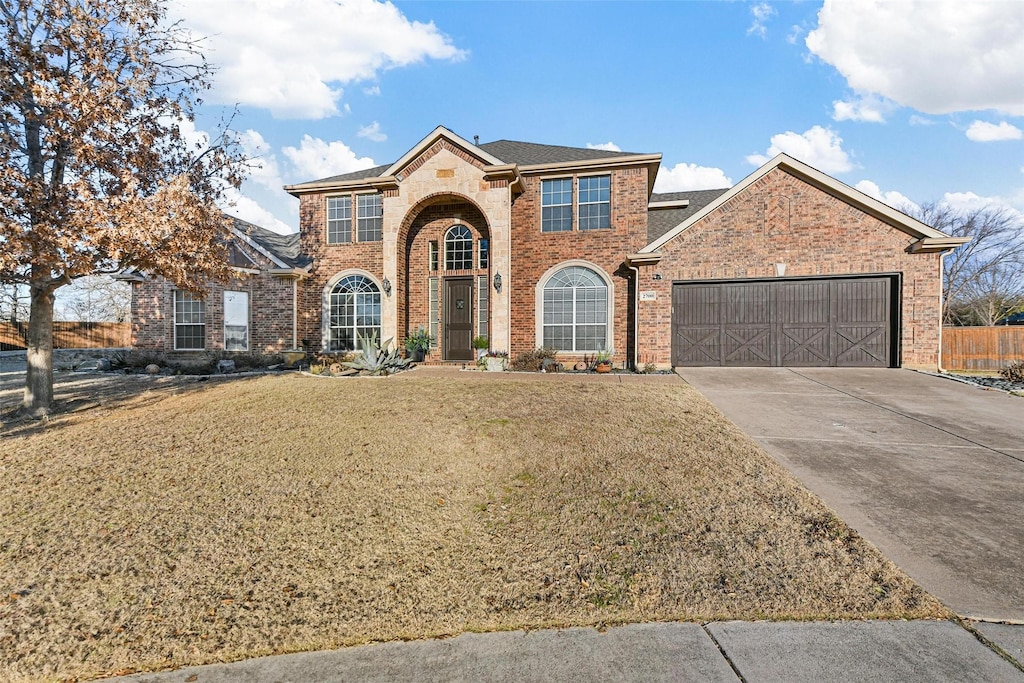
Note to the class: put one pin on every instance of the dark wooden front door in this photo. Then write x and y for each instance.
(800, 322)
(458, 318)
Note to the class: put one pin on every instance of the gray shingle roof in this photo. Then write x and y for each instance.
(355, 175)
(285, 247)
(660, 221)
(531, 153)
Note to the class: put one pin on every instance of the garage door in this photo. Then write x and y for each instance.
(846, 322)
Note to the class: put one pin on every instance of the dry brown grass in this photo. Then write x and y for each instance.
(294, 513)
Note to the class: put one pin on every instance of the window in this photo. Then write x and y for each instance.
(484, 259)
(433, 298)
(236, 321)
(595, 202)
(556, 205)
(432, 249)
(355, 312)
(458, 249)
(484, 295)
(369, 217)
(189, 321)
(339, 220)
(575, 310)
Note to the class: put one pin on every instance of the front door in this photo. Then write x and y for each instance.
(458, 318)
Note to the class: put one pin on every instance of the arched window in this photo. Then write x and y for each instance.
(355, 312)
(575, 311)
(458, 248)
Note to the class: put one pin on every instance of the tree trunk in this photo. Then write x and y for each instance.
(39, 353)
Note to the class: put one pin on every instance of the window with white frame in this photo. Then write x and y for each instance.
(556, 205)
(575, 315)
(483, 302)
(595, 202)
(458, 248)
(189, 321)
(236, 321)
(339, 220)
(355, 311)
(433, 298)
(369, 217)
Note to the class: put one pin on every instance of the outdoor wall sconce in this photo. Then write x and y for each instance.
(497, 282)
(657, 276)
(387, 286)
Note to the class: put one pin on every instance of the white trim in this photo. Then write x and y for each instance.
(434, 136)
(572, 204)
(577, 192)
(881, 211)
(175, 323)
(252, 243)
(669, 204)
(248, 318)
(325, 303)
(538, 311)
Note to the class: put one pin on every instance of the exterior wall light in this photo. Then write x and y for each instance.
(386, 285)
(497, 282)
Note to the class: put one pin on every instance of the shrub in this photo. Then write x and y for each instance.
(1014, 372)
(533, 361)
(650, 368)
(137, 359)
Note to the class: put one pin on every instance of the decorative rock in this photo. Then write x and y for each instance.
(225, 366)
(152, 369)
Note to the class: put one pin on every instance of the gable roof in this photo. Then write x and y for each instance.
(929, 239)
(526, 155)
(283, 250)
(661, 220)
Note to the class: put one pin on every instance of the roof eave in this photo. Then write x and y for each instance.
(434, 136)
(931, 245)
(640, 259)
(606, 162)
(380, 183)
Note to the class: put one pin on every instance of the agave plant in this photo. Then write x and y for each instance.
(377, 359)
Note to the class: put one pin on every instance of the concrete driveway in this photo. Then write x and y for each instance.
(929, 470)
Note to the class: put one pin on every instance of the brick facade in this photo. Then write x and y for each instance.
(782, 219)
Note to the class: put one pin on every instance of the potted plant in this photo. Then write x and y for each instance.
(603, 361)
(417, 344)
(480, 343)
(496, 361)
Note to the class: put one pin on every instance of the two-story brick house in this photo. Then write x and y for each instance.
(536, 245)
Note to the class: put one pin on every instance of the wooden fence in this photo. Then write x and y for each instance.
(982, 348)
(70, 335)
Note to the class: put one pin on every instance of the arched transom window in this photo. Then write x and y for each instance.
(458, 248)
(355, 312)
(575, 310)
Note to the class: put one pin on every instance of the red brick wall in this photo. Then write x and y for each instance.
(270, 311)
(781, 219)
(534, 252)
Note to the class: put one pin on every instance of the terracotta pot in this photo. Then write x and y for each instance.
(603, 367)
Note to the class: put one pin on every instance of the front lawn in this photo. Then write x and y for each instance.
(291, 513)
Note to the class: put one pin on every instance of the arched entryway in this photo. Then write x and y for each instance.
(447, 275)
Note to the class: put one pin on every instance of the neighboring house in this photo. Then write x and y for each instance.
(536, 245)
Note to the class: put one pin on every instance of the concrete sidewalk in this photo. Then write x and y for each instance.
(903, 651)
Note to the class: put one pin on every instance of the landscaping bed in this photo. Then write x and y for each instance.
(282, 513)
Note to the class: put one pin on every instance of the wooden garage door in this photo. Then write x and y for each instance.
(813, 322)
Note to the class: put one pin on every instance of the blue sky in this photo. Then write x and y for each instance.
(907, 101)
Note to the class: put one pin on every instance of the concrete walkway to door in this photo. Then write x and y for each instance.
(929, 470)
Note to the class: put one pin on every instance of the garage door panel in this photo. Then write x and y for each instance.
(809, 323)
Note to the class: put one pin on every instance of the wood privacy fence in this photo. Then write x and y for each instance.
(982, 348)
(70, 335)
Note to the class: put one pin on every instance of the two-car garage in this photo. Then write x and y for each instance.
(787, 322)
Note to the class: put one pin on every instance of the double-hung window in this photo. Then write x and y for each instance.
(189, 321)
(595, 202)
(369, 217)
(339, 220)
(556, 205)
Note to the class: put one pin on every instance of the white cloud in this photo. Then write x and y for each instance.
(983, 131)
(917, 120)
(971, 200)
(818, 147)
(865, 108)
(761, 12)
(249, 210)
(314, 158)
(294, 59)
(683, 177)
(794, 34)
(893, 198)
(372, 91)
(606, 146)
(263, 168)
(372, 133)
(937, 57)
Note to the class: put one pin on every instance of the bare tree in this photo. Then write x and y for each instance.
(984, 279)
(95, 174)
(13, 303)
(95, 298)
